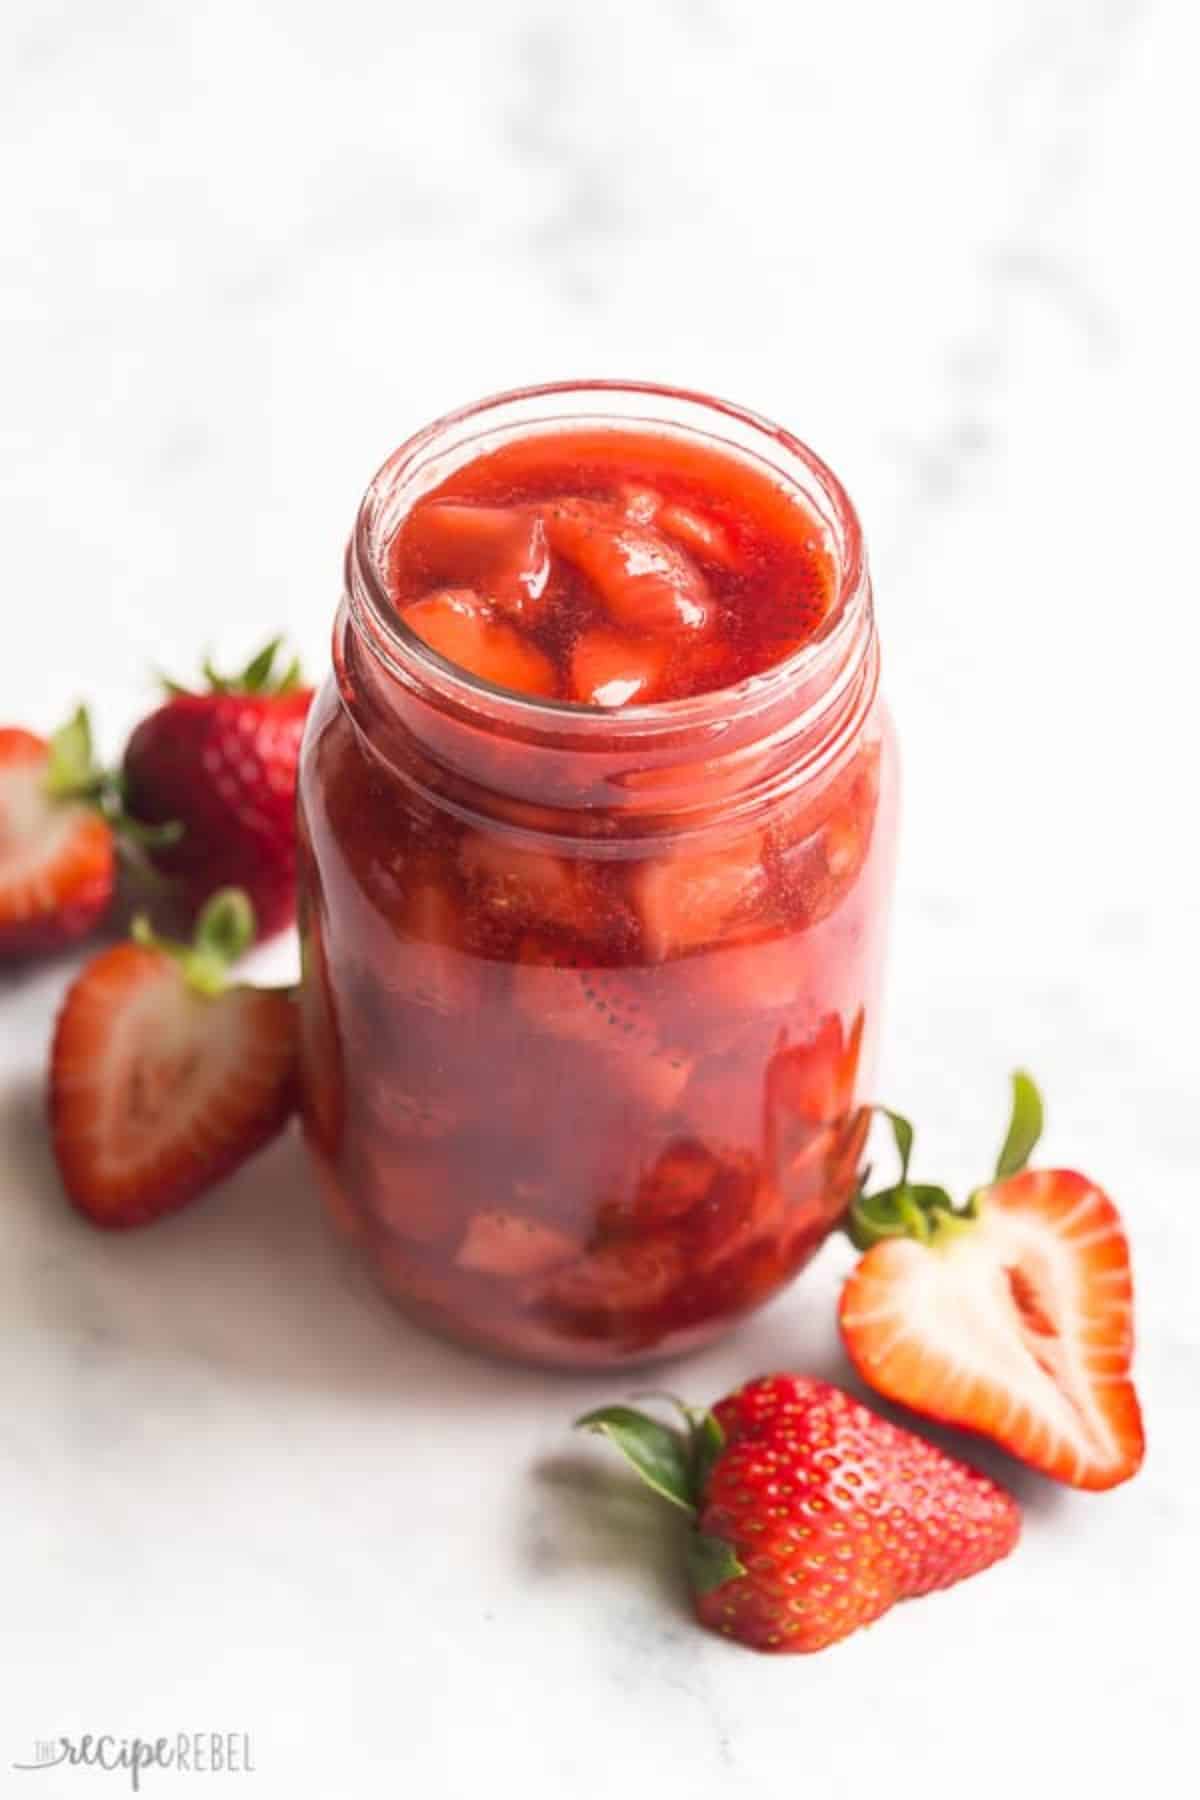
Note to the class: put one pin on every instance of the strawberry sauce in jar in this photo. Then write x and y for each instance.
(597, 820)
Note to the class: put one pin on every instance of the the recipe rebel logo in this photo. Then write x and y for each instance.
(185, 1752)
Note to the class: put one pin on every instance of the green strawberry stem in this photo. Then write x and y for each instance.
(711, 1562)
(258, 677)
(676, 1464)
(224, 932)
(74, 774)
(926, 1212)
(1024, 1126)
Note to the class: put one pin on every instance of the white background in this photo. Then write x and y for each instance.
(246, 249)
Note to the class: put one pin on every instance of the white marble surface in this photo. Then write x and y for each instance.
(247, 248)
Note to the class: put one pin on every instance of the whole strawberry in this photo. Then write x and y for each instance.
(222, 763)
(811, 1515)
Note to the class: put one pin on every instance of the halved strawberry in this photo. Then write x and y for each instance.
(163, 1079)
(609, 668)
(642, 580)
(501, 551)
(462, 627)
(1012, 1317)
(57, 853)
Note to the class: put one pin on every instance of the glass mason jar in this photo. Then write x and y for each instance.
(556, 1131)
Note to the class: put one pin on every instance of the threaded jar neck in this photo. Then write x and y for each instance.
(779, 727)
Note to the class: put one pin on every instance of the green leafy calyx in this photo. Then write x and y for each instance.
(261, 676)
(1024, 1126)
(224, 932)
(920, 1210)
(72, 772)
(676, 1462)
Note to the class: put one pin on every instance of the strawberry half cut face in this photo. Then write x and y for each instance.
(1019, 1325)
(164, 1079)
(57, 859)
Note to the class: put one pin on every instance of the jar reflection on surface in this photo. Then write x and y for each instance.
(589, 1000)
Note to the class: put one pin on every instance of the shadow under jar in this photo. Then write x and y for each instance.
(589, 992)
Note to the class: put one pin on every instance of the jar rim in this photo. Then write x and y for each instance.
(411, 660)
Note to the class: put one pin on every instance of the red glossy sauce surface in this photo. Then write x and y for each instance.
(612, 567)
(583, 1093)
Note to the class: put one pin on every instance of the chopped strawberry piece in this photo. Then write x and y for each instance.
(610, 1010)
(619, 1278)
(678, 1182)
(404, 1193)
(639, 503)
(405, 1112)
(761, 975)
(561, 991)
(512, 1245)
(742, 1210)
(717, 1197)
(162, 1081)
(427, 961)
(57, 862)
(812, 1083)
(700, 533)
(820, 850)
(657, 1078)
(463, 628)
(686, 899)
(610, 669)
(528, 887)
(642, 580)
(816, 1182)
(500, 551)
